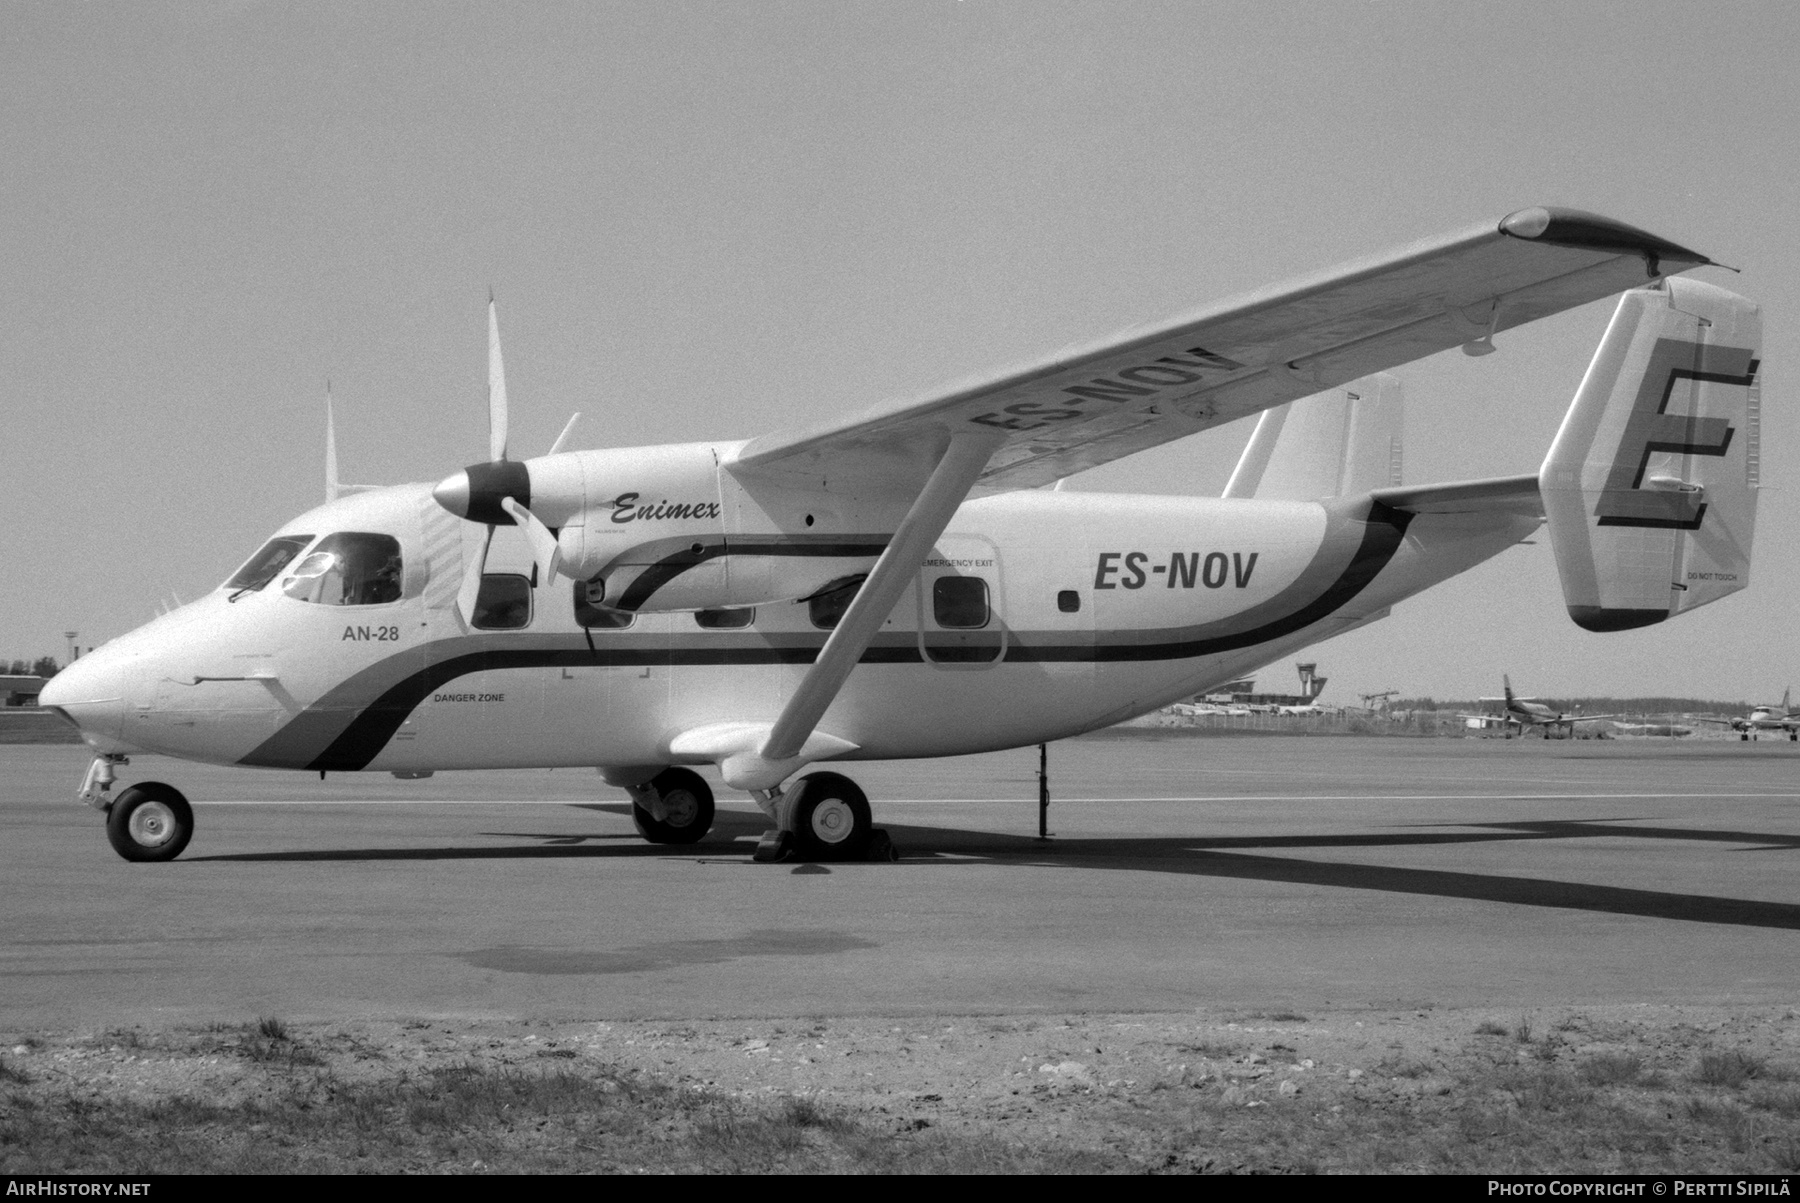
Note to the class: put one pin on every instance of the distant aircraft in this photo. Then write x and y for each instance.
(1529, 712)
(1765, 718)
(898, 583)
(1671, 730)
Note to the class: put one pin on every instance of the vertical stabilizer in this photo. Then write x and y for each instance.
(1650, 487)
(1332, 444)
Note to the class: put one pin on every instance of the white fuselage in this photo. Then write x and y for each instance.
(1101, 607)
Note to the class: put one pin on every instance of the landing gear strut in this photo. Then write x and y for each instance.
(675, 807)
(150, 822)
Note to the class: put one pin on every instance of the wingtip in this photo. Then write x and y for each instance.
(1556, 226)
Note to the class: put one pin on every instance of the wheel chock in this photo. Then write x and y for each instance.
(881, 847)
(774, 847)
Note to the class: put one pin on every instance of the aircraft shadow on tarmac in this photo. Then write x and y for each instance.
(1195, 856)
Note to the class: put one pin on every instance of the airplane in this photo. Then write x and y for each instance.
(1764, 718)
(1529, 712)
(1307, 710)
(1669, 730)
(907, 581)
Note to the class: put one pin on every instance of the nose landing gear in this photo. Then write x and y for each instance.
(149, 822)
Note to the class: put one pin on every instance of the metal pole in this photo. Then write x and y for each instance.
(1043, 791)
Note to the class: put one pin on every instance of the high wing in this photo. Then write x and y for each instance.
(1034, 426)
(1149, 386)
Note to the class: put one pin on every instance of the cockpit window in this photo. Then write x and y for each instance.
(348, 569)
(262, 567)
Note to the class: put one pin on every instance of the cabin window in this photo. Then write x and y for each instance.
(1068, 601)
(350, 568)
(827, 609)
(960, 603)
(599, 618)
(504, 603)
(266, 564)
(725, 619)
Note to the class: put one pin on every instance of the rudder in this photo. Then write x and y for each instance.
(1650, 487)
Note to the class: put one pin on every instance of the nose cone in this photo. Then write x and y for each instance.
(453, 494)
(91, 694)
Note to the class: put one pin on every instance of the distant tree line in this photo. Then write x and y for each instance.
(43, 666)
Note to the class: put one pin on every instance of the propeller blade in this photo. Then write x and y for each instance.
(564, 436)
(496, 387)
(544, 547)
(471, 582)
(331, 467)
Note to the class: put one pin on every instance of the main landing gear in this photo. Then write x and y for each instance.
(673, 807)
(824, 817)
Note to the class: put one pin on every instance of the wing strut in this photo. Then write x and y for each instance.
(962, 463)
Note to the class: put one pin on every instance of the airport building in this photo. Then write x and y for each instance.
(21, 690)
(1243, 692)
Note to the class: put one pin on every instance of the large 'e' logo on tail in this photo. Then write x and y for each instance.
(1624, 501)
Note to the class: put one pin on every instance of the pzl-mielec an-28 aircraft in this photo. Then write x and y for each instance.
(899, 583)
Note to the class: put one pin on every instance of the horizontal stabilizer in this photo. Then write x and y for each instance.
(1650, 486)
(1509, 494)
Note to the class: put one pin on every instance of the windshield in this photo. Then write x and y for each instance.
(348, 569)
(261, 568)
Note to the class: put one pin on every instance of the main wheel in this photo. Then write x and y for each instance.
(687, 808)
(831, 818)
(151, 821)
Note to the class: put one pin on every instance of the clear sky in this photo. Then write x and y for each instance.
(716, 219)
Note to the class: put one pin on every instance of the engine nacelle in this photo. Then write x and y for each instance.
(666, 528)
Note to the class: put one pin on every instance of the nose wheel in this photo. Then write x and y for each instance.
(149, 822)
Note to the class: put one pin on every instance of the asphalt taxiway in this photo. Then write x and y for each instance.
(1185, 872)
